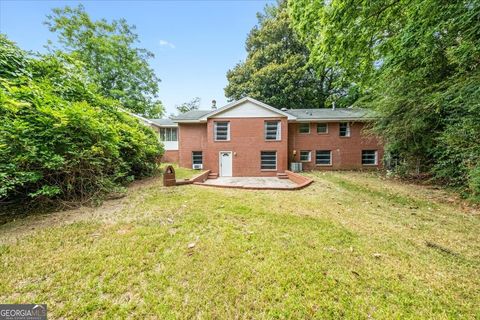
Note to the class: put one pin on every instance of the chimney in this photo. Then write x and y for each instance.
(214, 104)
(333, 105)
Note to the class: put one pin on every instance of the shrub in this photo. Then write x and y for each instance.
(60, 139)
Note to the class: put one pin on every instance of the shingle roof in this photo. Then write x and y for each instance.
(192, 115)
(300, 114)
(331, 114)
(164, 122)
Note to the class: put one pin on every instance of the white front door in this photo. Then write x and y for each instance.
(225, 163)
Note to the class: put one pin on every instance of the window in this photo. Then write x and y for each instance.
(272, 130)
(222, 131)
(305, 156)
(369, 157)
(268, 160)
(322, 127)
(304, 128)
(197, 157)
(168, 134)
(323, 157)
(344, 129)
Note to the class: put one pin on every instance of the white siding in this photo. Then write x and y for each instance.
(247, 110)
(170, 145)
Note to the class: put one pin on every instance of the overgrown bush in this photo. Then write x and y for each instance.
(59, 138)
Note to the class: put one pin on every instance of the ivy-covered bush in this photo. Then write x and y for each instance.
(59, 138)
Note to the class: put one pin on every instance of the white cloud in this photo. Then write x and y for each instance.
(165, 43)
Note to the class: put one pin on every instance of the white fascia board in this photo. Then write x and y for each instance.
(331, 119)
(238, 102)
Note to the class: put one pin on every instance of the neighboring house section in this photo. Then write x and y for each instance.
(250, 138)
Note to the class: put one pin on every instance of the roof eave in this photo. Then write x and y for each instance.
(188, 121)
(242, 100)
(332, 119)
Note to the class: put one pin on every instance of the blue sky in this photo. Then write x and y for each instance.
(194, 42)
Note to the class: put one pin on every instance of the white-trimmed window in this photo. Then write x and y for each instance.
(305, 156)
(197, 157)
(344, 129)
(268, 160)
(323, 157)
(304, 127)
(272, 130)
(322, 128)
(168, 134)
(369, 157)
(221, 130)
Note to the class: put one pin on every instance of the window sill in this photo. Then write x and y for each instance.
(323, 165)
(271, 170)
(322, 133)
(344, 137)
(305, 161)
(221, 140)
(370, 165)
(273, 140)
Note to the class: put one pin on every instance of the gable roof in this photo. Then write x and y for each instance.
(243, 100)
(325, 114)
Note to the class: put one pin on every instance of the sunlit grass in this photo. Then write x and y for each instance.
(352, 245)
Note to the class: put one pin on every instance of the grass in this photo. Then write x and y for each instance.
(352, 245)
(182, 173)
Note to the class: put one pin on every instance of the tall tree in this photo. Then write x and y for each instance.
(109, 51)
(276, 69)
(418, 62)
(193, 104)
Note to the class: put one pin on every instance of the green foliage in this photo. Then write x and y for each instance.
(277, 72)
(417, 64)
(108, 51)
(61, 139)
(194, 104)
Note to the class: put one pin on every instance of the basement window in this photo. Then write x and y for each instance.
(305, 156)
(272, 130)
(344, 129)
(222, 130)
(323, 157)
(197, 157)
(369, 157)
(268, 160)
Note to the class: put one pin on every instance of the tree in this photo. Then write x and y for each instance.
(194, 104)
(108, 51)
(417, 63)
(277, 72)
(60, 140)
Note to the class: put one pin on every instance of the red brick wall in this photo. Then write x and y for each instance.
(346, 151)
(191, 137)
(170, 156)
(247, 140)
(246, 143)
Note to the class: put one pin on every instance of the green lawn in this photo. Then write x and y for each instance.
(352, 245)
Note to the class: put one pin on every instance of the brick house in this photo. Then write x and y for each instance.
(250, 138)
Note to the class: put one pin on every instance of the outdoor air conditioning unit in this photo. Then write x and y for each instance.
(296, 166)
(197, 166)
